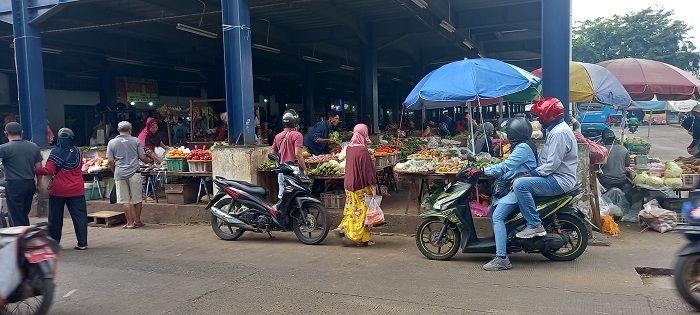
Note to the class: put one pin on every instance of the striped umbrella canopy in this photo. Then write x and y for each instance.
(593, 83)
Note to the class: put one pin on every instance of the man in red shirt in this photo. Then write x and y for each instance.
(288, 144)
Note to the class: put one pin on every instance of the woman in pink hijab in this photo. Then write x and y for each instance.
(360, 181)
(150, 139)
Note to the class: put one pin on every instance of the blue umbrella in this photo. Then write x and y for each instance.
(467, 80)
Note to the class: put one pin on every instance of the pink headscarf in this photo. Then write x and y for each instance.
(360, 135)
(144, 133)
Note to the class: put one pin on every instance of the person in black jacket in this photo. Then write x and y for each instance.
(692, 124)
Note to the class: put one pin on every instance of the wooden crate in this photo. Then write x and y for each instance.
(333, 199)
(181, 194)
(106, 218)
(691, 180)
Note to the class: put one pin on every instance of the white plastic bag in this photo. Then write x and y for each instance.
(10, 275)
(375, 215)
(657, 218)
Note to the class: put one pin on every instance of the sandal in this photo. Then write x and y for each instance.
(340, 233)
(128, 227)
(80, 248)
(138, 225)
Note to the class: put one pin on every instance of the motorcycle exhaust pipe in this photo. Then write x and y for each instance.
(231, 220)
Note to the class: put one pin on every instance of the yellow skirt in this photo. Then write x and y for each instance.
(354, 214)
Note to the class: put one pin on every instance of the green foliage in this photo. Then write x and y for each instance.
(648, 34)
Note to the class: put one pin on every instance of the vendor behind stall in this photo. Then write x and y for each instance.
(151, 139)
(614, 171)
(317, 140)
(692, 124)
(222, 131)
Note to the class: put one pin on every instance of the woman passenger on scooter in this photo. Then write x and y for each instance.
(522, 159)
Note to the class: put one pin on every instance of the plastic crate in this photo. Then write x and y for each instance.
(691, 180)
(333, 199)
(199, 166)
(176, 165)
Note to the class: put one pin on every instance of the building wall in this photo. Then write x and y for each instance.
(4, 89)
(57, 99)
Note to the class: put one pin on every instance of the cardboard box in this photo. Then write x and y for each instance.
(181, 194)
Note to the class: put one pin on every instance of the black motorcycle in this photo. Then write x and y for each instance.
(449, 227)
(241, 207)
(36, 258)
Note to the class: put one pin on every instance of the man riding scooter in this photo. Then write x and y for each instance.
(556, 173)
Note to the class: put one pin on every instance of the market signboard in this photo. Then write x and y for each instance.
(137, 90)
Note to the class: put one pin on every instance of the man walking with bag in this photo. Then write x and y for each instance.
(19, 157)
(124, 153)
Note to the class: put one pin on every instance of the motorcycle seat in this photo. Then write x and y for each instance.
(248, 187)
(573, 193)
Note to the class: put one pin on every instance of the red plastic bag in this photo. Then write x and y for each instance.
(375, 215)
(598, 153)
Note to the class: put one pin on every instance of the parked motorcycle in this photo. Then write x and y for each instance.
(449, 227)
(633, 124)
(28, 258)
(686, 273)
(241, 207)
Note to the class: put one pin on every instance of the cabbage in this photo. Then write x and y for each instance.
(641, 178)
(673, 170)
(655, 181)
(673, 182)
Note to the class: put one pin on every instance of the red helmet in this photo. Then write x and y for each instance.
(548, 110)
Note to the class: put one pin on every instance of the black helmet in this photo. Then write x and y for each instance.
(518, 129)
(290, 118)
(608, 136)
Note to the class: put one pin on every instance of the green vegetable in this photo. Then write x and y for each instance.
(673, 170)
(267, 165)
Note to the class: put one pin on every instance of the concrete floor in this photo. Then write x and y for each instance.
(188, 270)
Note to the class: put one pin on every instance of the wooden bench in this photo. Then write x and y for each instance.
(106, 218)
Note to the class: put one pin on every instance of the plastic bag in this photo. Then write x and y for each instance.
(657, 218)
(616, 197)
(10, 277)
(375, 215)
(598, 153)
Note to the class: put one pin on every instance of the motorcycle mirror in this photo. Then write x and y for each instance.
(274, 157)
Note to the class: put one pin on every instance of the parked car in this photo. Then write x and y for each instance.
(594, 118)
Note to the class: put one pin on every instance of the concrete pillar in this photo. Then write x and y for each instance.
(238, 71)
(370, 95)
(239, 163)
(30, 73)
(556, 49)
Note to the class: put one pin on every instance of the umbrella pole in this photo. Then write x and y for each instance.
(623, 123)
(471, 126)
(481, 116)
(649, 129)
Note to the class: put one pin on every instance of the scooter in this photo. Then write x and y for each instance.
(449, 226)
(632, 124)
(242, 207)
(28, 258)
(686, 273)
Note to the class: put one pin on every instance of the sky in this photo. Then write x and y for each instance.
(685, 10)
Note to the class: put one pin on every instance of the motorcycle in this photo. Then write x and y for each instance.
(242, 207)
(686, 272)
(449, 226)
(632, 124)
(28, 257)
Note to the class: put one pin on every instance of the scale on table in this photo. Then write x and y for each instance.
(641, 162)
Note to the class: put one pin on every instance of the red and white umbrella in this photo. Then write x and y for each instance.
(648, 79)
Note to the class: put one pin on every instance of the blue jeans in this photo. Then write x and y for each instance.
(280, 182)
(527, 187)
(498, 218)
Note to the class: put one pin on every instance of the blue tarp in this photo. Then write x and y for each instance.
(462, 81)
(651, 105)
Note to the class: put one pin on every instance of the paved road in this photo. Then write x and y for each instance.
(187, 270)
(667, 142)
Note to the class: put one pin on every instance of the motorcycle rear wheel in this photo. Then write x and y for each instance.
(427, 234)
(577, 235)
(685, 275)
(310, 218)
(218, 225)
(36, 305)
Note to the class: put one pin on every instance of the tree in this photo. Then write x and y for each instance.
(648, 34)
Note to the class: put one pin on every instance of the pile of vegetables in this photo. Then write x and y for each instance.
(672, 175)
(330, 168)
(95, 165)
(199, 154)
(689, 165)
(410, 146)
(637, 145)
(384, 151)
(177, 153)
(267, 165)
(319, 158)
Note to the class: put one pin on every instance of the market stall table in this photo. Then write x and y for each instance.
(96, 179)
(417, 191)
(153, 176)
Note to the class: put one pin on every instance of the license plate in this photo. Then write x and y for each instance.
(38, 255)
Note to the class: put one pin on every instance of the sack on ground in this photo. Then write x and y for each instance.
(375, 215)
(657, 218)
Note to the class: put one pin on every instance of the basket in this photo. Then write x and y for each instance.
(638, 148)
(199, 166)
(176, 165)
(333, 199)
(691, 180)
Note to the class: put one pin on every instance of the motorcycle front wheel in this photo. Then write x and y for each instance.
(221, 228)
(429, 244)
(686, 276)
(575, 234)
(36, 297)
(311, 224)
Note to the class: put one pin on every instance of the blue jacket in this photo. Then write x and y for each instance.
(521, 160)
(321, 129)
